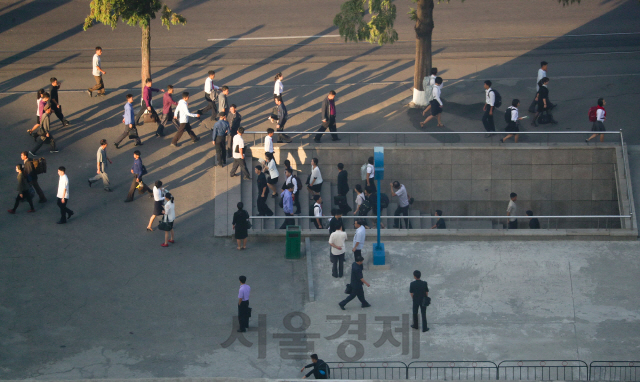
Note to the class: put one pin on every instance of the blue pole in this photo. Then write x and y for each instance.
(379, 189)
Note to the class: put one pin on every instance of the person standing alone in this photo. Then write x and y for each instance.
(328, 117)
(487, 118)
(97, 74)
(419, 291)
(102, 160)
(63, 196)
(337, 242)
(243, 304)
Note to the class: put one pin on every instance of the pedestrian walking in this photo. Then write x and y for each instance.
(542, 73)
(512, 210)
(489, 104)
(427, 86)
(167, 112)
(101, 166)
(320, 368)
(343, 180)
(512, 119)
(223, 105)
(371, 183)
(357, 282)
(130, 129)
(63, 196)
(399, 190)
(263, 193)
(219, 135)
(336, 220)
(138, 170)
(24, 192)
(268, 142)
(241, 225)
(97, 74)
(534, 223)
(182, 114)
(337, 241)
(544, 105)
(440, 224)
(328, 117)
(234, 118)
(435, 103)
(244, 312)
(280, 119)
(147, 95)
(419, 291)
(315, 179)
(290, 178)
(44, 133)
(32, 177)
(317, 211)
(598, 124)
(360, 198)
(210, 91)
(166, 224)
(158, 203)
(42, 104)
(358, 238)
(238, 156)
(287, 205)
(55, 101)
(273, 173)
(39, 107)
(278, 88)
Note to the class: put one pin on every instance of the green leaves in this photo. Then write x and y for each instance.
(379, 29)
(132, 12)
(170, 18)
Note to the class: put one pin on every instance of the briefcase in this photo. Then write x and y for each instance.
(348, 289)
(133, 133)
(149, 118)
(248, 312)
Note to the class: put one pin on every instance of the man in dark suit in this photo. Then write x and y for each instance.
(328, 117)
(357, 281)
(233, 118)
(419, 290)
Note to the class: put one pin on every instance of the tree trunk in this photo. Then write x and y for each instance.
(424, 30)
(146, 53)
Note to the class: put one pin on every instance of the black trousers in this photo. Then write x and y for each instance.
(25, 195)
(36, 186)
(211, 105)
(357, 253)
(487, 120)
(513, 224)
(423, 311)
(356, 292)
(39, 142)
(331, 125)
(263, 209)
(239, 163)
(64, 209)
(58, 111)
(288, 222)
(167, 119)
(134, 184)
(243, 314)
(230, 144)
(221, 150)
(183, 127)
(296, 201)
(159, 127)
(338, 265)
(125, 134)
(404, 211)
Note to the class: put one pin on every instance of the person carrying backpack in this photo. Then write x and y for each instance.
(597, 115)
(492, 101)
(427, 86)
(511, 118)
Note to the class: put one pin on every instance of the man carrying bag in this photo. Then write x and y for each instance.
(419, 291)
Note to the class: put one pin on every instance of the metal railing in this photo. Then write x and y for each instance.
(452, 370)
(568, 370)
(614, 371)
(368, 370)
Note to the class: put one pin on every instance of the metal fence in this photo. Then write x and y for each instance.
(568, 370)
(368, 370)
(614, 371)
(452, 370)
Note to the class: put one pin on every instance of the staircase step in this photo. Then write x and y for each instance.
(228, 194)
(304, 201)
(247, 191)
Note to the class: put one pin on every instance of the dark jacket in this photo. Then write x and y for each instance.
(326, 109)
(534, 223)
(320, 370)
(334, 224)
(54, 95)
(137, 168)
(343, 183)
(419, 289)
(543, 93)
(262, 183)
(29, 171)
(356, 276)
(22, 183)
(234, 122)
(282, 114)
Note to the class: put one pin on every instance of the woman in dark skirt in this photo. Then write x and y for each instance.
(158, 204)
(241, 226)
(544, 105)
(512, 126)
(598, 124)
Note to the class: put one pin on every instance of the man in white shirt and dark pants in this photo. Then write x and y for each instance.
(487, 118)
(97, 73)
(512, 210)
(400, 191)
(63, 196)
(243, 304)
(182, 114)
(359, 238)
(238, 156)
(209, 95)
(337, 242)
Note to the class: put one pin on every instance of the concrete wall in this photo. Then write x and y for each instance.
(478, 180)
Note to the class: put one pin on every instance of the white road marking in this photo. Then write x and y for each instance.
(271, 38)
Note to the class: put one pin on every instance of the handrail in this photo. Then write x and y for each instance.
(313, 132)
(447, 217)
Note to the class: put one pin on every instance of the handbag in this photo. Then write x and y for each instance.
(411, 200)
(32, 192)
(164, 225)
(426, 301)
(533, 106)
(247, 222)
(133, 133)
(149, 118)
(545, 118)
(348, 289)
(248, 312)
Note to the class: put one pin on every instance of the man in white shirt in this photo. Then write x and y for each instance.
(268, 141)
(512, 210)
(182, 114)
(315, 182)
(210, 95)
(359, 238)
(400, 191)
(238, 156)
(317, 211)
(337, 242)
(435, 104)
(63, 196)
(542, 73)
(487, 118)
(97, 74)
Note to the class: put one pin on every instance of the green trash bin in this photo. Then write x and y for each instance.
(293, 242)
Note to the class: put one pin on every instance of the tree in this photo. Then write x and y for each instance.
(134, 13)
(352, 26)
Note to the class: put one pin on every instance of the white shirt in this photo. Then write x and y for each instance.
(432, 80)
(273, 169)
(237, 141)
(541, 74)
(292, 181)
(278, 88)
(315, 174)
(158, 194)
(490, 97)
(317, 210)
(169, 211)
(370, 171)
(182, 112)
(600, 115)
(268, 144)
(514, 113)
(338, 238)
(96, 64)
(38, 106)
(512, 209)
(401, 193)
(63, 185)
(359, 237)
(360, 198)
(437, 90)
(209, 86)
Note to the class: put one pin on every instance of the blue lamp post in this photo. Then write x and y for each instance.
(378, 160)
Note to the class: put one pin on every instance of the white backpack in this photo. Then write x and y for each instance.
(363, 171)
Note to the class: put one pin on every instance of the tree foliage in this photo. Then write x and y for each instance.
(133, 12)
(352, 25)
